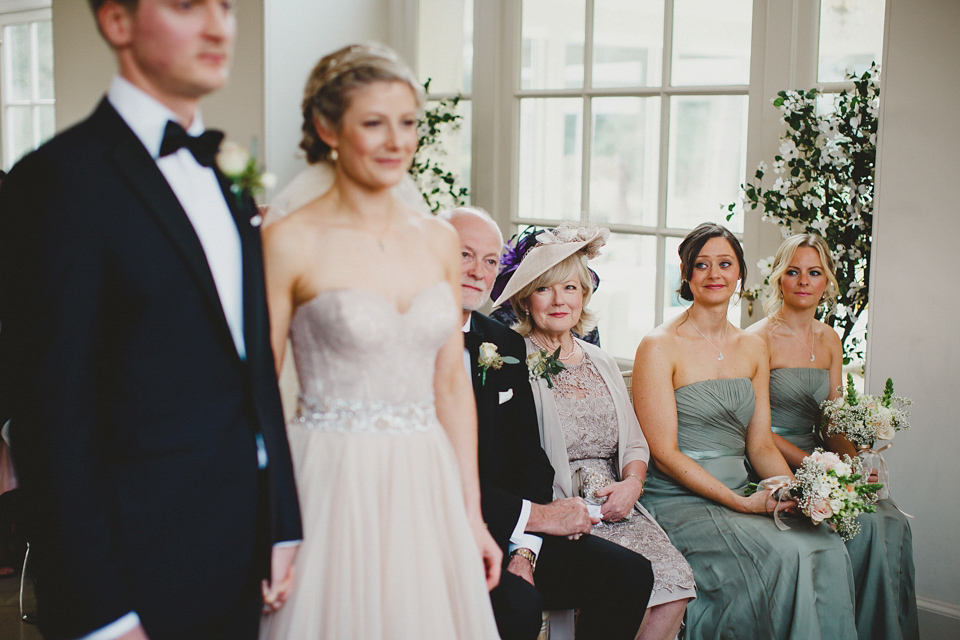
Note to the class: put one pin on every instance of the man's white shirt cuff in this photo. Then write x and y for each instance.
(286, 543)
(115, 629)
(520, 539)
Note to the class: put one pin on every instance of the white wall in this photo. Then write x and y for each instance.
(914, 305)
(297, 34)
(82, 62)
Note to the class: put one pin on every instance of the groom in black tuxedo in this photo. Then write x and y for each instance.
(550, 560)
(135, 360)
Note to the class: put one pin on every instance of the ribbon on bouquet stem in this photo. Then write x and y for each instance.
(778, 486)
(872, 459)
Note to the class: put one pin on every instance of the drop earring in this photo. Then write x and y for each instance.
(334, 156)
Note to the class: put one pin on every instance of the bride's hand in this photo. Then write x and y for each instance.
(765, 503)
(490, 553)
(621, 496)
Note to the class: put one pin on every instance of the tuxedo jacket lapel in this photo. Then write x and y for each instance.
(472, 341)
(243, 208)
(139, 170)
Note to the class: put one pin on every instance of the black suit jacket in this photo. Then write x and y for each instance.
(134, 418)
(513, 466)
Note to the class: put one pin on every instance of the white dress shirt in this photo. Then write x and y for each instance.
(518, 538)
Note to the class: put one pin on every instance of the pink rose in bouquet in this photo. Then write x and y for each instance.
(820, 510)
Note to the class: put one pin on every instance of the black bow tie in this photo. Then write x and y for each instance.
(203, 147)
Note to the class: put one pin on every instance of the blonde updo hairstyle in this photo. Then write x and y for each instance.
(781, 262)
(572, 267)
(332, 82)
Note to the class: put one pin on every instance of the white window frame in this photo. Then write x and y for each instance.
(14, 12)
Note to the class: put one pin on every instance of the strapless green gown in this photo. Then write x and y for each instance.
(754, 582)
(882, 553)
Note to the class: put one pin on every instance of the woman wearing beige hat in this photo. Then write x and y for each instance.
(588, 429)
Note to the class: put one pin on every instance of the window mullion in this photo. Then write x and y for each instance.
(586, 145)
(660, 286)
(665, 81)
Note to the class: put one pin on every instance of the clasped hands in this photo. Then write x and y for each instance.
(564, 517)
(621, 496)
(766, 502)
(276, 591)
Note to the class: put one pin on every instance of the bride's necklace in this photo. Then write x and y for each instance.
(549, 350)
(723, 335)
(812, 354)
(378, 237)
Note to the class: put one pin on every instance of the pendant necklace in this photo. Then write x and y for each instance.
(722, 335)
(812, 354)
(383, 232)
(548, 350)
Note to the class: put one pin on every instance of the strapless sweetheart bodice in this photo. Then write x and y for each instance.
(354, 345)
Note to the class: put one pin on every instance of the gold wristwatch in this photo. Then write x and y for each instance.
(530, 556)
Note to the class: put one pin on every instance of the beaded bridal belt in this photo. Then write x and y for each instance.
(370, 417)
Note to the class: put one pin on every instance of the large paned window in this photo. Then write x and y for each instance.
(851, 37)
(641, 115)
(445, 58)
(26, 82)
(633, 115)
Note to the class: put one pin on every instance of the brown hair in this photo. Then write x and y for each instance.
(129, 4)
(326, 96)
(690, 249)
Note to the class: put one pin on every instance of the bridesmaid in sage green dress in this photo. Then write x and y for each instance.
(805, 369)
(700, 388)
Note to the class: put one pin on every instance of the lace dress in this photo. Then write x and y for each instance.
(589, 421)
(387, 551)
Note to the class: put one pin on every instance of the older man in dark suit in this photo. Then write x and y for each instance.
(550, 560)
(135, 358)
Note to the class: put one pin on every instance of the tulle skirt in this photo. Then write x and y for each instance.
(387, 551)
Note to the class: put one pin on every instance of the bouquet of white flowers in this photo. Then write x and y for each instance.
(863, 419)
(830, 489)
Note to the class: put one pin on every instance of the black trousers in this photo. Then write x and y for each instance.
(608, 584)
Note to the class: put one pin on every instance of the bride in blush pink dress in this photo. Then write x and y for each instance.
(384, 440)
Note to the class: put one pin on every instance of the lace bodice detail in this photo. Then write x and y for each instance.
(351, 345)
(587, 413)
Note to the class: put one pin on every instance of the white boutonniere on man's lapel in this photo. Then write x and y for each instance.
(241, 169)
(491, 359)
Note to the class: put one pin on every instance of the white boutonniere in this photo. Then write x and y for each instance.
(491, 359)
(240, 167)
(541, 364)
